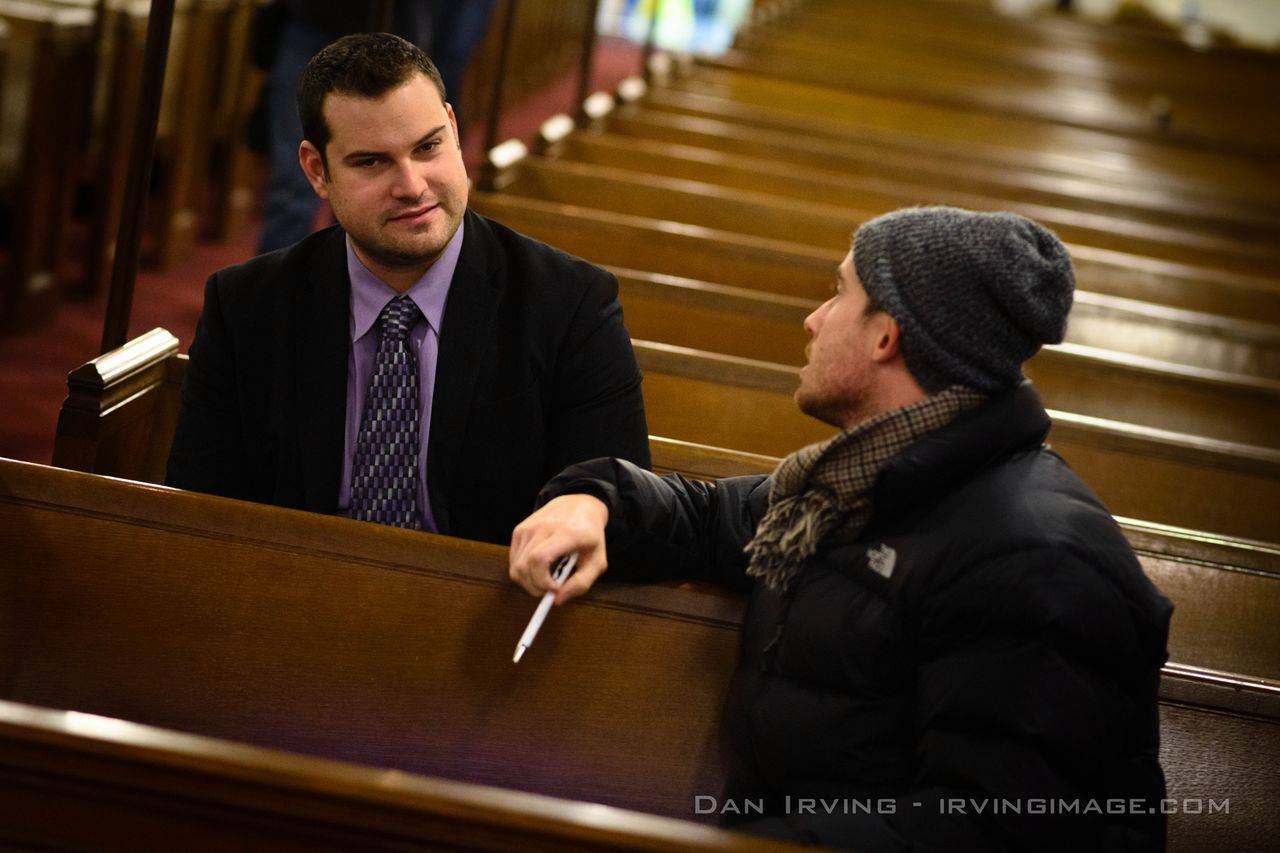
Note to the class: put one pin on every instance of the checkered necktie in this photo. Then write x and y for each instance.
(384, 473)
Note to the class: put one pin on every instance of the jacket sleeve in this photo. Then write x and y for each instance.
(666, 528)
(1026, 680)
(598, 409)
(208, 453)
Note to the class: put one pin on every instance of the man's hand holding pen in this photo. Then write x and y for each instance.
(570, 524)
(567, 533)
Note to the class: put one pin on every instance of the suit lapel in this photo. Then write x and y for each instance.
(465, 334)
(322, 341)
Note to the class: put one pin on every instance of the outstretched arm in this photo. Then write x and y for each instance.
(616, 515)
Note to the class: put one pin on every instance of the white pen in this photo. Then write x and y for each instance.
(562, 571)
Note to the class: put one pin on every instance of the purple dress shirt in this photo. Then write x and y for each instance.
(369, 295)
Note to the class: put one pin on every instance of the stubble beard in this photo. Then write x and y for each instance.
(387, 253)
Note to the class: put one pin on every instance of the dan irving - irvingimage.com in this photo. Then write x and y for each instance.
(704, 804)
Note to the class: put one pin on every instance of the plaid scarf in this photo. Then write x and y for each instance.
(825, 488)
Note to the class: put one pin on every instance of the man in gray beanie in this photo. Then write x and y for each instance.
(947, 632)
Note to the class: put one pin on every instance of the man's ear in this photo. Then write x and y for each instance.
(453, 121)
(313, 167)
(889, 340)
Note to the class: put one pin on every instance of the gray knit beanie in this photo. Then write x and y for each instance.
(976, 294)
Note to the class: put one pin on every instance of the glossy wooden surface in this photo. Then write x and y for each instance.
(86, 781)
(890, 179)
(48, 53)
(984, 62)
(1083, 381)
(807, 272)
(125, 427)
(752, 324)
(1138, 472)
(390, 648)
(344, 640)
(829, 222)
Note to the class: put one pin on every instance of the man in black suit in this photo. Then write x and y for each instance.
(418, 364)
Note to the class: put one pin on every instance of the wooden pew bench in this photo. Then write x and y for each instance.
(1046, 49)
(1138, 472)
(752, 324)
(1018, 45)
(121, 411)
(121, 424)
(1077, 379)
(828, 218)
(40, 137)
(390, 648)
(1117, 47)
(903, 134)
(894, 180)
(716, 89)
(905, 73)
(83, 781)
(318, 635)
(807, 272)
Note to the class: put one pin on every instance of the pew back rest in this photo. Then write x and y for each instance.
(121, 411)
(329, 637)
(390, 648)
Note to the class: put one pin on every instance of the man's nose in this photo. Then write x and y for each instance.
(410, 182)
(812, 322)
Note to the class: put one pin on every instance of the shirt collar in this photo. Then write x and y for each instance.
(370, 294)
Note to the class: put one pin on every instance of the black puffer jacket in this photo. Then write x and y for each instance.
(988, 645)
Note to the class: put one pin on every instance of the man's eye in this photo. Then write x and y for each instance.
(364, 164)
(429, 146)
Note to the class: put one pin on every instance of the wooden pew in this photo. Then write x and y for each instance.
(947, 71)
(1013, 174)
(1018, 45)
(182, 137)
(324, 636)
(321, 636)
(118, 420)
(1166, 477)
(751, 324)
(201, 64)
(797, 202)
(49, 48)
(121, 409)
(1119, 48)
(929, 130)
(906, 71)
(78, 780)
(1153, 55)
(120, 54)
(895, 180)
(792, 269)
(668, 247)
(1081, 380)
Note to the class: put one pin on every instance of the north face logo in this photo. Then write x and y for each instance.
(882, 559)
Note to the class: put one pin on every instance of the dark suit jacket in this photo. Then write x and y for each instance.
(535, 372)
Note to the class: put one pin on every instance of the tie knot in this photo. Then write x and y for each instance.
(399, 317)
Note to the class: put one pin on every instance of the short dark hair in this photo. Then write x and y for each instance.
(365, 64)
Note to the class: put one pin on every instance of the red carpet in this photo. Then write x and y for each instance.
(33, 367)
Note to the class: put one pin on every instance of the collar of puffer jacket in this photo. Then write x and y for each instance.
(937, 463)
